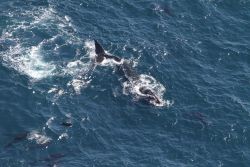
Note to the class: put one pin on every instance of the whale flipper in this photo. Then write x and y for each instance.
(98, 48)
(101, 54)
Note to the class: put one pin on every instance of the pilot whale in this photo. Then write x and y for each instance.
(129, 73)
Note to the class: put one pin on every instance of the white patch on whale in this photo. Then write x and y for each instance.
(132, 87)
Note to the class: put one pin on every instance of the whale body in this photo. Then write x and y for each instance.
(128, 72)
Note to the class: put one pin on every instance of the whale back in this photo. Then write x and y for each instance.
(129, 72)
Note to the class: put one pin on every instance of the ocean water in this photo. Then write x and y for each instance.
(195, 54)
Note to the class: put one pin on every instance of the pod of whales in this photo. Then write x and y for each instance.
(129, 73)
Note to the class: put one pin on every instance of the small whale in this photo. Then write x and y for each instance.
(168, 11)
(128, 72)
(51, 160)
(40, 140)
(198, 116)
(17, 138)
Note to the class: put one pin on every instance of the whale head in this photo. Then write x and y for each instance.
(149, 95)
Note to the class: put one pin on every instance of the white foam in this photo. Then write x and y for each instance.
(132, 87)
(81, 73)
(90, 48)
(78, 84)
(60, 92)
(67, 18)
(34, 65)
(56, 93)
(29, 59)
(158, 8)
(22, 57)
(77, 67)
(39, 138)
(110, 62)
(29, 62)
(52, 90)
(63, 136)
(49, 122)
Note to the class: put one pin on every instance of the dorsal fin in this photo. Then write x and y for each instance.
(98, 48)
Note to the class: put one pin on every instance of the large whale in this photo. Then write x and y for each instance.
(129, 73)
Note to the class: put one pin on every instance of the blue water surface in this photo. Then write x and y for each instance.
(198, 50)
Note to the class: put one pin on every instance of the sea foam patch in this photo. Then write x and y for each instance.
(132, 87)
(34, 38)
(35, 43)
(39, 138)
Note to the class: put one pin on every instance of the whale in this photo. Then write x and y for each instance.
(128, 71)
(17, 138)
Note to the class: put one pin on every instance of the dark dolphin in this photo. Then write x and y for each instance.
(199, 117)
(167, 10)
(51, 160)
(129, 73)
(17, 138)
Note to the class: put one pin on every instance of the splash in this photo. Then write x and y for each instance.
(33, 46)
(39, 138)
(132, 87)
(49, 122)
(63, 136)
(29, 62)
(78, 84)
(90, 48)
(33, 39)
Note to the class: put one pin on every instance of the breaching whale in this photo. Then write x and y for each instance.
(129, 73)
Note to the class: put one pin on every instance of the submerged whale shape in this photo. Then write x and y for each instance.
(128, 72)
(17, 138)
